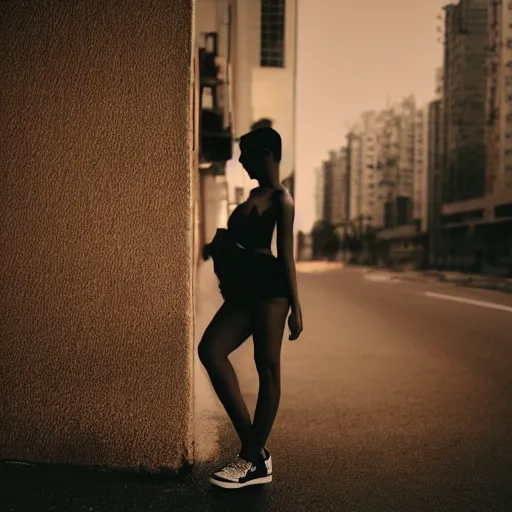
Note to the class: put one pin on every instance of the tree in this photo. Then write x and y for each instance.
(326, 242)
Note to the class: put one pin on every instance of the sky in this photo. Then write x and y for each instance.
(353, 56)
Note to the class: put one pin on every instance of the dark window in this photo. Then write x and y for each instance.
(272, 33)
(503, 210)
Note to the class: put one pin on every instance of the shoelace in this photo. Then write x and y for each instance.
(233, 468)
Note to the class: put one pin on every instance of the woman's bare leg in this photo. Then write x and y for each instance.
(230, 327)
(268, 322)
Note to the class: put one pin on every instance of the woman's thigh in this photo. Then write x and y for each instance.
(229, 328)
(268, 318)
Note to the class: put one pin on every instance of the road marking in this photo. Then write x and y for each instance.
(379, 278)
(472, 302)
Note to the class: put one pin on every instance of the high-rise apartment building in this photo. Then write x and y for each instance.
(464, 90)
(362, 177)
(475, 138)
(354, 173)
(397, 161)
(328, 179)
(438, 90)
(499, 100)
(420, 183)
(335, 206)
(319, 192)
(494, 92)
(386, 156)
(434, 166)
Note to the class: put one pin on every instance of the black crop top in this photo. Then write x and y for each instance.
(253, 231)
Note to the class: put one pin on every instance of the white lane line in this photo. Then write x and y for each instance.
(472, 302)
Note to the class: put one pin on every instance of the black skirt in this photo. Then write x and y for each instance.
(244, 274)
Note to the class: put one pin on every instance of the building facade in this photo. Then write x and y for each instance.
(98, 166)
(420, 179)
(398, 160)
(476, 137)
(319, 192)
(354, 173)
(435, 184)
(339, 214)
(332, 195)
(264, 72)
(499, 100)
(464, 91)
(362, 175)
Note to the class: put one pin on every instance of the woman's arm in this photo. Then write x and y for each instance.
(285, 217)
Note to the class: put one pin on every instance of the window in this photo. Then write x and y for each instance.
(272, 33)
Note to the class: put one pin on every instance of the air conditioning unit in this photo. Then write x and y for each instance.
(216, 143)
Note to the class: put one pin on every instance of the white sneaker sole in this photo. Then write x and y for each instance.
(233, 485)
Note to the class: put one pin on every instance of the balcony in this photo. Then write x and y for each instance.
(215, 135)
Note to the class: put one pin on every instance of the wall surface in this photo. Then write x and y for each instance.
(96, 205)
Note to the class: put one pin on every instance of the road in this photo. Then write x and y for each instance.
(394, 398)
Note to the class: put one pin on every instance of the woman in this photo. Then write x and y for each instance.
(258, 290)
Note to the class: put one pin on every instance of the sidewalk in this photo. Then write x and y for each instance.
(58, 488)
(47, 487)
(457, 278)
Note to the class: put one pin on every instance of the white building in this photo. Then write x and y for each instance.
(264, 72)
(257, 56)
(362, 151)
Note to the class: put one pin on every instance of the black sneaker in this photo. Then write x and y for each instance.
(241, 473)
(268, 461)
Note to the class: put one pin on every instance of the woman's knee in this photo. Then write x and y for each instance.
(269, 370)
(206, 355)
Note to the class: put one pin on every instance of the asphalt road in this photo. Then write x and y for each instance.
(394, 399)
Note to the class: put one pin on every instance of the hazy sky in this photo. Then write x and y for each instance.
(352, 56)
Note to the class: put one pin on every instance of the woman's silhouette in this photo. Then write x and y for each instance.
(258, 290)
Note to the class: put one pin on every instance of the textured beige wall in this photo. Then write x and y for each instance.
(96, 232)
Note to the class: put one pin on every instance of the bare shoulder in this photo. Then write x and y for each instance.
(283, 197)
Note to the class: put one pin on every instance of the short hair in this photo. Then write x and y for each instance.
(263, 138)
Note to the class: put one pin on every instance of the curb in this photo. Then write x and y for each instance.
(317, 267)
(502, 285)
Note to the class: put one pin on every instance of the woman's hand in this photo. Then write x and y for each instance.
(209, 249)
(295, 324)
